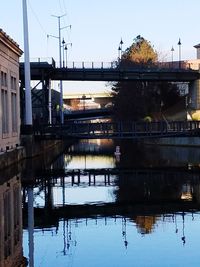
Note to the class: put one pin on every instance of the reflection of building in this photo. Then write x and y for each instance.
(9, 92)
(11, 252)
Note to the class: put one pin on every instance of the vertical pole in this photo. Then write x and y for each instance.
(179, 44)
(61, 83)
(50, 103)
(31, 227)
(28, 101)
(66, 54)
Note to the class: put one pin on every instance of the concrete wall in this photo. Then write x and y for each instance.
(194, 95)
(175, 141)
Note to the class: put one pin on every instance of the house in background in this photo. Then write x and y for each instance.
(9, 93)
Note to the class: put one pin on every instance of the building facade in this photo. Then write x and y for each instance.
(9, 93)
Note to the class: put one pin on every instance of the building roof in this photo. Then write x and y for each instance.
(197, 46)
(10, 43)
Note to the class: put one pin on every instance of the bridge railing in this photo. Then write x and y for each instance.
(89, 65)
(120, 129)
(117, 65)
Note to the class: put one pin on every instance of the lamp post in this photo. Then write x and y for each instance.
(63, 48)
(179, 45)
(120, 48)
(84, 98)
(119, 53)
(66, 48)
(172, 50)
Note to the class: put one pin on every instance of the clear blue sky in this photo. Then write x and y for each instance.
(98, 25)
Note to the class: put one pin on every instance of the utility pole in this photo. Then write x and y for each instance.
(60, 63)
(28, 100)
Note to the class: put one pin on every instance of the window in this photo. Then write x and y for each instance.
(4, 104)
(13, 83)
(4, 81)
(14, 111)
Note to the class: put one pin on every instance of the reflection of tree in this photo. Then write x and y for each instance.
(135, 154)
(145, 224)
(144, 186)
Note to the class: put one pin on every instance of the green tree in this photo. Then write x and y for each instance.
(136, 100)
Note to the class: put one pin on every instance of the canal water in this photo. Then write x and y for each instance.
(93, 207)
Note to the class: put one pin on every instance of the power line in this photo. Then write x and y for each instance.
(34, 13)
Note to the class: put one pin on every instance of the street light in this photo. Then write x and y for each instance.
(84, 98)
(66, 51)
(172, 50)
(179, 44)
(119, 53)
(63, 47)
(120, 48)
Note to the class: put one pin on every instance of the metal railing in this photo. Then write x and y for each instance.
(119, 129)
(116, 64)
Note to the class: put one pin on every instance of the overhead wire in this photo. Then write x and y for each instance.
(39, 23)
(34, 13)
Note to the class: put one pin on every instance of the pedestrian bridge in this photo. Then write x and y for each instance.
(108, 71)
(45, 71)
(118, 130)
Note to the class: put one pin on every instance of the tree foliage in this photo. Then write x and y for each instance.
(140, 52)
(136, 100)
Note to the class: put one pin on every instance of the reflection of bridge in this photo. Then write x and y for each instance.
(137, 191)
(115, 209)
(118, 130)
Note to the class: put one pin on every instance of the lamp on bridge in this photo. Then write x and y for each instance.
(179, 45)
(66, 48)
(63, 47)
(119, 53)
(120, 50)
(84, 98)
(172, 50)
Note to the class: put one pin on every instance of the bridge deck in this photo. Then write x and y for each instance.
(118, 130)
(45, 70)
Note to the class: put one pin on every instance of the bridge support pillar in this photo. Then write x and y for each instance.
(194, 95)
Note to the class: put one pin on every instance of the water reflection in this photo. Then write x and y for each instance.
(95, 211)
(11, 251)
(87, 209)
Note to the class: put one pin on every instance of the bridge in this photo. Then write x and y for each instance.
(107, 72)
(88, 114)
(118, 130)
(46, 71)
